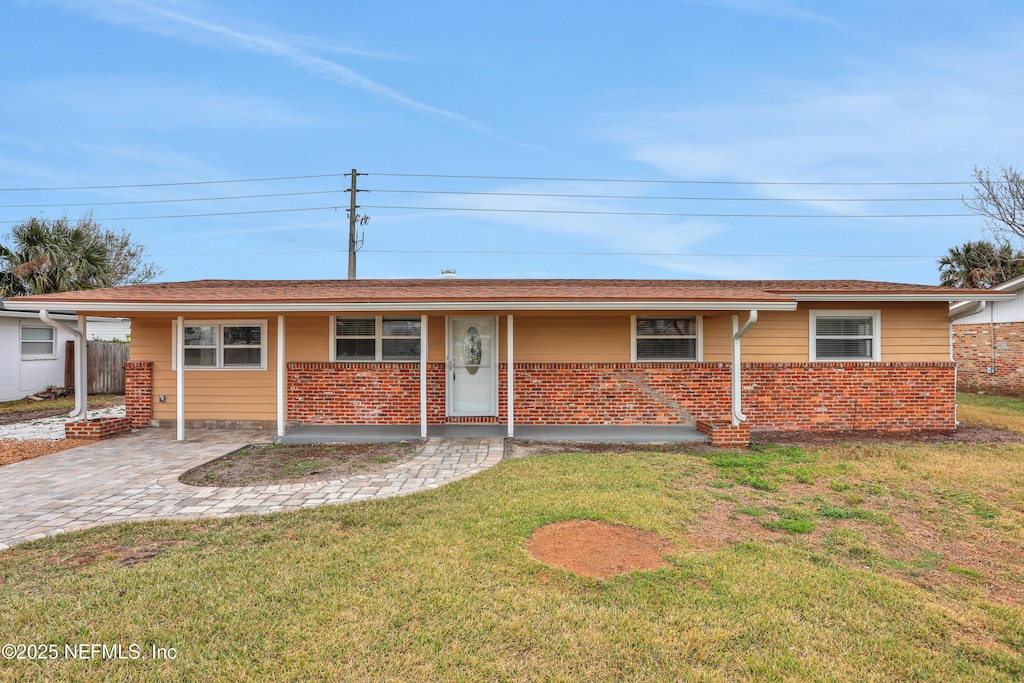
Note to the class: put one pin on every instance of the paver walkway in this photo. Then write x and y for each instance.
(135, 477)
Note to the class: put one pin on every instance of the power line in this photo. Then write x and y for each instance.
(645, 253)
(206, 215)
(179, 184)
(172, 201)
(668, 182)
(662, 197)
(483, 194)
(663, 214)
(500, 177)
(670, 213)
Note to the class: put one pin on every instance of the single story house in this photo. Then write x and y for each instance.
(32, 352)
(423, 355)
(988, 341)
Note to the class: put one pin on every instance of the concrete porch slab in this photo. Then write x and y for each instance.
(306, 433)
(300, 434)
(611, 433)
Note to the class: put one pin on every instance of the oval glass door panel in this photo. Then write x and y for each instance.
(472, 349)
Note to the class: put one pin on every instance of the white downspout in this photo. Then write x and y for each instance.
(424, 349)
(179, 352)
(282, 377)
(81, 376)
(510, 381)
(737, 385)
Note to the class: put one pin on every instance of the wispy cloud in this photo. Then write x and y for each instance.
(783, 9)
(153, 105)
(921, 125)
(186, 22)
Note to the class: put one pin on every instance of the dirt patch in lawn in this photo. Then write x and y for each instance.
(597, 549)
(265, 464)
(965, 433)
(124, 555)
(12, 450)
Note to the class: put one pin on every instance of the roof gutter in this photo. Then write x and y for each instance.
(953, 295)
(81, 380)
(737, 384)
(967, 309)
(334, 306)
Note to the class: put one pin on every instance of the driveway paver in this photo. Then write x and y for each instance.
(135, 477)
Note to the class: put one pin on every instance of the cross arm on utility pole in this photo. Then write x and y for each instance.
(354, 242)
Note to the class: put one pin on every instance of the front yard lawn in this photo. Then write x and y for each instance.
(994, 411)
(864, 562)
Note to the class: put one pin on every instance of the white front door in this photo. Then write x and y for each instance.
(472, 366)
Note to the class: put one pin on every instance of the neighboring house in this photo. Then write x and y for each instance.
(726, 356)
(988, 342)
(32, 353)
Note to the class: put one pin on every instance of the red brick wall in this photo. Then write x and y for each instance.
(804, 396)
(620, 393)
(354, 393)
(975, 356)
(138, 392)
(97, 428)
(725, 434)
(820, 396)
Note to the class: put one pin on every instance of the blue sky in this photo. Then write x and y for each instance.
(755, 117)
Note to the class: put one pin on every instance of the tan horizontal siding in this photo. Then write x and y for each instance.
(209, 394)
(910, 332)
(571, 339)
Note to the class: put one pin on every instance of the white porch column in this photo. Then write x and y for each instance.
(423, 376)
(737, 362)
(282, 377)
(511, 381)
(179, 353)
(82, 369)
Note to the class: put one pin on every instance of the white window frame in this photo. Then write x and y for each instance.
(37, 356)
(220, 325)
(876, 334)
(378, 339)
(699, 338)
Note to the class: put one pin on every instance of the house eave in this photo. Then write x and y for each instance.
(329, 306)
(921, 297)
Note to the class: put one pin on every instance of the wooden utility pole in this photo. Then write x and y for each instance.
(352, 217)
(355, 241)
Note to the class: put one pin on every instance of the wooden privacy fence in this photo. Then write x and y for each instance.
(105, 364)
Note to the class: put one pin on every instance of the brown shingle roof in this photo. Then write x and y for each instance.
(459, 289)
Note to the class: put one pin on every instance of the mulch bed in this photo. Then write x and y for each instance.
(12, 451)
(266, 464)
(965, 433)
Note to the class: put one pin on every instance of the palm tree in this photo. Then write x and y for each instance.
(47, 256)
(980, 264)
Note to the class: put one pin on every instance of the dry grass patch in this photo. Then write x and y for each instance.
(993, 411)
(124, 555)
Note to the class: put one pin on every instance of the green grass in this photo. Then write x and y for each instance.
(993, 411)
(439, 586)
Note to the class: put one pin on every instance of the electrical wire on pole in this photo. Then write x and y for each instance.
(355, 242)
